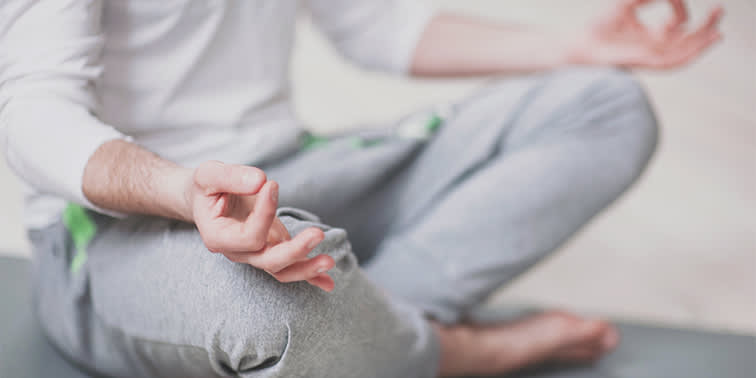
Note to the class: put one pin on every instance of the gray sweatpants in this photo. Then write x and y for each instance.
(437, 225)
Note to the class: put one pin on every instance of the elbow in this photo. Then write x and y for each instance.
(370, 59)
(48, 141)
(375, 51)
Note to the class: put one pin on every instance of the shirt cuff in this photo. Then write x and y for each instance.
(414, 20)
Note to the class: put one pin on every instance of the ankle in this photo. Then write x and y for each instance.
(455, 347)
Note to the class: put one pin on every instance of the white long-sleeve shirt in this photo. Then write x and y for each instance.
(191, 80)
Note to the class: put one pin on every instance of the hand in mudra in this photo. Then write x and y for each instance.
(619, 38)
(234, 208)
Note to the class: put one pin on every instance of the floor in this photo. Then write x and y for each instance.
(679, 248)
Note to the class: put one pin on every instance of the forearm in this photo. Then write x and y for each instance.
(233, 207)
(126, 178)
(459, 45)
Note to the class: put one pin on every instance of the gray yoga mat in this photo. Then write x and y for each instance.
(645, 352)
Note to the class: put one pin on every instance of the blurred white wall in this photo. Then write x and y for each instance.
(679, 248)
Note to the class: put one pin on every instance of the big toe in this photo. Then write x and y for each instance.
(610, 339)
(578, 332)
(586, 332)
(587, 340)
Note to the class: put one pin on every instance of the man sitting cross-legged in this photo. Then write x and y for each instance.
(185, 225)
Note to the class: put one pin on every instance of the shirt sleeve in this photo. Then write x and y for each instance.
(376, 34)
(49, 61)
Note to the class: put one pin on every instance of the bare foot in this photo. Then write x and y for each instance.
(503, 348)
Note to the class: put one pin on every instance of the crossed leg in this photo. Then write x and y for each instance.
(514, 171)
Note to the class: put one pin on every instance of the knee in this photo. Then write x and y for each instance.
(633, 116)
(271, 326)
(616, 95)
(352, 331)
(237, 320)
(299, 330)
(617, 103)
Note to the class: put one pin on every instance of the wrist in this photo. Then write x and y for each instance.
(187, 208)
(578, 50)
(178, 186)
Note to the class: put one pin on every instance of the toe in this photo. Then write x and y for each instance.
(610, 339)
(587, 332)
(579, 355)
(579, 333)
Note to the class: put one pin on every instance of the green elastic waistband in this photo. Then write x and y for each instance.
(82, 230)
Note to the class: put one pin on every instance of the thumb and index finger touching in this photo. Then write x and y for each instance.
(214, 178)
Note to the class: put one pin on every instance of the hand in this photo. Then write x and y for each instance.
(234, 208)
(620, 39)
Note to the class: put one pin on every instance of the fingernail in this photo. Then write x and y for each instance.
(313, 242)
(251, 178)
(322, 269)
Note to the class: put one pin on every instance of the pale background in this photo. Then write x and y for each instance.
(679, 248)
